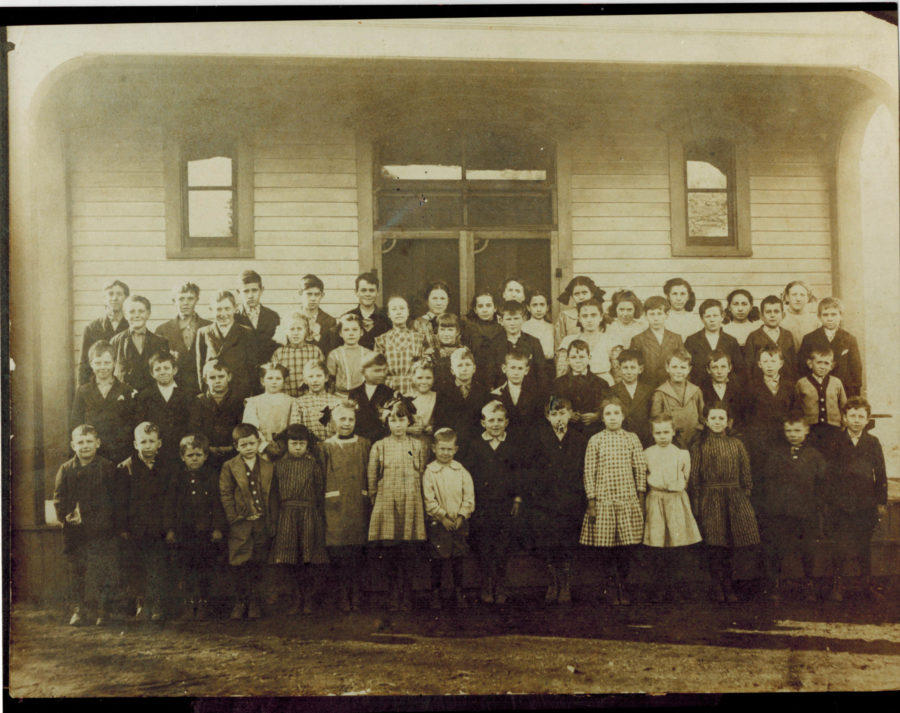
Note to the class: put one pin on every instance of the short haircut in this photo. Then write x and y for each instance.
(717, 354)
(161, 356)
(830, 303)
(347, 319)
(445, 435)
(512, 307)
(250, 277)
(187, 287)
(611, 401)
(315, 364)
(457, 355)
(370, 277)
(773, 350)
(399, 407)
(579, 344)
(709, 304)
(662, 418)
(448, 319)
(592, 302)
(193, 440)
(822, 351)
(145, 427)
(771, 300)
(243, 430)
(308, 282)
(493, 406)
(85, 429)
(631, 355)
(795, 416)
(555, 403)
(657, 302)
(117, 283)
(516, 354)
(296, 432)
(222, 295)
(101, 347)
(680, 281)
(216, 364)
(139, 298)
(681, 354)
(376, 359)
(272, 366)
(857, 402)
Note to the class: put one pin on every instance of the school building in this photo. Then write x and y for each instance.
(741, 150)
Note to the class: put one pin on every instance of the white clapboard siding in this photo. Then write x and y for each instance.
(620, 217)
(305, 221)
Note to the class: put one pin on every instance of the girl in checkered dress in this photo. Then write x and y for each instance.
(401, 346)
(308, 408)
(615, 482)
(297, 350)
(396, 464)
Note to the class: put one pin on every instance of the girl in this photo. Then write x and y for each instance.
(345, 362)
(538, 325)
(669, 523)
(796, 297)
(513, 290)
(300, 534)
(423, 398)
(396, 464)
(271, 410)
(719, 488)
(437, 297)
(481, 327)
(297, 348)
(590, 318)
(615, 480)
(449, 333)
(400, 345)
(625, 318)
(345, 459)
(741, 316)
(308, 408)
(580, 289)
(681, 319)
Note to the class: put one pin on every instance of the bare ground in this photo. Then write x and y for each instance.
(582, 648)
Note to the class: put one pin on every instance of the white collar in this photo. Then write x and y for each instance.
(487, 436)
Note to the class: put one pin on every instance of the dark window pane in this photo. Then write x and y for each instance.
(501, 151)
(409, 265)
(210, 214)
(497, 259)
(418, 211)
(500, 210)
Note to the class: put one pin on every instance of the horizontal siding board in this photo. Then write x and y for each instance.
(628, 139)
(270, 137)
(264, 179)
(615, 154)
(304, 195)
(819, 254)
(305, 150)
(620, 237)
(622, 210)
(795, 237)
(120, 237)
(635, 224)
(620, 195)
(336, 210)
(788, 196)
(619, 168)
(730, 266)
(796, 170)
(787, 155)
(117, 194)
(117, 223)
(609, 273)
(619, 181)
(310, 251)
(788, 183)
(791, 224)
(299, 237)
(136, 210)
(314, 223)
(108, 253)
(785, 210)
(91, 271)
(118, 179)
(291, 165)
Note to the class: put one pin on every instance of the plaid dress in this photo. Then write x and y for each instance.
(401, 347)
(307, 410)
(615, 470)
(396, 465)
(300, 535)
(294, 357)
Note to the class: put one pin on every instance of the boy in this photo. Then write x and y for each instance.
(258, 318)
(790, 503)
(655, 342)
(104, 328)
(165, 404)
(680, 398)
(635, 395)
(195, 522)
(821, 396)
(556, 494)
(216, 412)
(344, 362)
(133, 347)
(181, 334)
(519, 397)
(230, 343)
(459, 405)
(583, 390)
(250, 499)
(449, 503)
(374, 320)
(371, 396)
(769, 397)
(499, 463)
(106, 404)
(83, 500)
(512, 316)
(721, 384)
(448, 338)
(711, 337)
(856, 495)
(143, 482)
(323, 326)
(771, 334)
(847, 362)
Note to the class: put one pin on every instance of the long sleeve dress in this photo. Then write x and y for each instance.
(401, 347)
(346, 462)
(615, 471)
(395, 472)
(300, 534)
(670, 522)
(270, 413)
(307, 410)
(720, 473)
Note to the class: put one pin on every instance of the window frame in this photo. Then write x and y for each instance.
(739, 200)
(176, 203)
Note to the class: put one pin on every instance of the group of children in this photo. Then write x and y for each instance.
(318, 440)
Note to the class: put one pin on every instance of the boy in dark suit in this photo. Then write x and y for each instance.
(700, 344)
(655, 342)
(216, 412)
(374, 321)
(847, 361)
(371, 397)
(720, 384)
(164, 403)
(635, 396)
(512, 317)
(106, 327)
(181, 334)
(583, 390)
(258, 318)
(134, 347)
(771, 334)
(322, 326)
(521, 399)
(460, 402)
(230, 343)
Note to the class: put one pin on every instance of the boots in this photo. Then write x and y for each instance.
(565, 586)
(809, 592)
(202, 613)
(621, 593)
(837, 589)
(354, 594)
(75, 620)
(345, 598)
(553, 588)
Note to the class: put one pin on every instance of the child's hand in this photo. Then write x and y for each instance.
(216, 535)
(592, 509)
(170, 538)
(414, 430)
(448, 523)
(575, 417)
(590, 417)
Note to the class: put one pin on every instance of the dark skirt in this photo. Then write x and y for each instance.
(300, 536)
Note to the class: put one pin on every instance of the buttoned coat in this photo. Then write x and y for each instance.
(101, 329)
(133, 367)
(637, 410)
(263, 332)
(186, 358)
(699, 349)
(236, 351)
(758, 340)
(237, 501)
(655, 354)
(847, 361)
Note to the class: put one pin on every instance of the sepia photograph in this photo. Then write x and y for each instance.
(360, 354)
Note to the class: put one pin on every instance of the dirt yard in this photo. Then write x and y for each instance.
(583, 648)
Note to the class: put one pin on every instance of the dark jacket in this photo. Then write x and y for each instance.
(791, 487)
(655, 354)
(857, 477)
(735, 398)
(215, 420)
(498, 475)
(263, 333)
(112, 416)
(765, 414)
(101, 329)
(700, 350)
(538, 374)
(90, 487)
(586, 392)
(171, 416)
(847, 361)
(194, 504)
(637, 410)
(463, 415)
(556, 487)
(380, 324)
(477, 334)
(132, 367)
(758, 340)
(368, 418)
(142, 495)
(186, 357)
(525, 414)
(237, 350)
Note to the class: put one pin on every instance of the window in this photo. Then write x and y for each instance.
(209, 199)
(710, 199)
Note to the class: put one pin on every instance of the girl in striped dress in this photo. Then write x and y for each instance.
(308, 408)
(719, 489)
(615, 482)
(396, 464)
(400, 345)
(300, 535)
